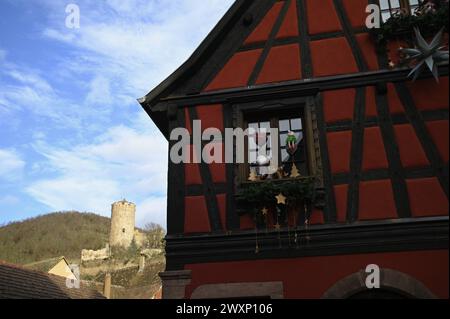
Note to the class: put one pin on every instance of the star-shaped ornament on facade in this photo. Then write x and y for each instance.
(281, 199)
(426, 54)
(264, 211)
(277, 226)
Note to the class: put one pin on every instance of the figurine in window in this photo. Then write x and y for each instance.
(291, 143)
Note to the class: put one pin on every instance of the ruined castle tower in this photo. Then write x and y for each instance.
(122, 224)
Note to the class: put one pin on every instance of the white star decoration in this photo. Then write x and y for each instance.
(426, 54)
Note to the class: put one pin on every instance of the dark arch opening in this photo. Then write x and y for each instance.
(394, 285)
(382, 293)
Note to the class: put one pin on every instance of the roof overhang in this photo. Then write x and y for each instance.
(150, 102)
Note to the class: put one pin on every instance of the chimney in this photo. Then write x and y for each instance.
(107, 286)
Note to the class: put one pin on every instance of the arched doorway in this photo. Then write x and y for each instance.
(393, 285)
(380, 294)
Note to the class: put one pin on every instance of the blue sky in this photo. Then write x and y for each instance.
(72, 136)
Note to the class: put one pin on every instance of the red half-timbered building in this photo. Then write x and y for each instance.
(374, 142)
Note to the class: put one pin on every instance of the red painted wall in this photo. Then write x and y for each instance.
(311, 277)
(427, 198)
(333, 56)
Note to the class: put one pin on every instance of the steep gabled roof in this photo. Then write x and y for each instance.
(45, 265)
(200, 55)
(268, 43)
(17, 282)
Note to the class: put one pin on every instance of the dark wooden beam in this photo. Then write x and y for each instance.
(396, 170)
(304, 40)
(440, 168)
(327, 240)
(295, 88)
(268, 46)
(176, 180)
(208, 186)
(330, 207)
(350, 36)
(356, 158)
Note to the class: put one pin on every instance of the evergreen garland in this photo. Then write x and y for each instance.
(401, 26)
(252, 198)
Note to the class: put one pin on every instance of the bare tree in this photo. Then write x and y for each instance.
(155, 234)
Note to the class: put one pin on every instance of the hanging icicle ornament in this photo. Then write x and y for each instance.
(307, 237)
(296, 235)
(426, 54)
(265, 214)
(257, 242)
(277, 226)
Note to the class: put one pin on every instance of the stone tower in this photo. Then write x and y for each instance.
(122, 224)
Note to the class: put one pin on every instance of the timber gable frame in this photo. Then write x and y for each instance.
(185, 89)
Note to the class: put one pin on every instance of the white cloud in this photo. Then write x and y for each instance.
(100, 92)
(11, 165)
(155, 207)
(140, 42)
(29, 78)
(24, 89)
(56, 35)
(122, 163)
(122, 50)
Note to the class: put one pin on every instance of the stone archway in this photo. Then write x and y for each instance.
(392, 281)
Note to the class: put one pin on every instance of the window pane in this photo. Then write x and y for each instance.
(386, 16)
(252, 143)
(265, 127)
(414, 2)
(283, 138)
(284, 155)
(284, 126)
(259, 148)
(296, 124)
(262, 140)
(252, 157)
(384, 4)
(395, 4)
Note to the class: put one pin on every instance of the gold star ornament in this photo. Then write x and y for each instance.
(281, 199)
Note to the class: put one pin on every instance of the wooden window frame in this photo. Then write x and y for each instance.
(274, 118)
(404, 5)
(297, 105)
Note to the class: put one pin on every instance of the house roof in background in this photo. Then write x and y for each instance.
(17, 282)
(45, 265)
